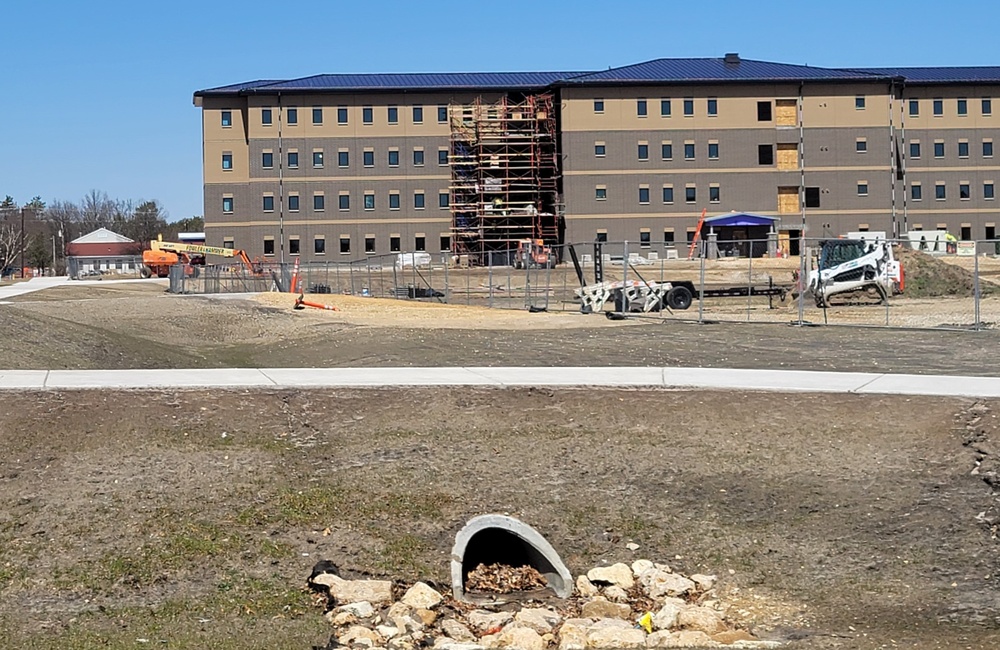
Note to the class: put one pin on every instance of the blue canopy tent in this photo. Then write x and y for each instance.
(741, 234)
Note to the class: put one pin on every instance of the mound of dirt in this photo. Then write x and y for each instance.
(927, 276)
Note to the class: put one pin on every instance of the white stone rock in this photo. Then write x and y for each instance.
(586, 588)
(538, 619)
(640, 566)
(660, 639)
(421, 596)
(363, 609)
(521, 638)
(360, 635)
(573, 634)
(490, 640)
(659, 583)
(613, 638)
(341, 619)
(701, 619)
(666, 617)
(692, 639)
(616, 574)
(632, 546)
(387, 631)
(616, 594)
(444, 643)
(612, 623)
(457, 631)
(600, 607)
(703, 581)
(377, 592)
(482, 620)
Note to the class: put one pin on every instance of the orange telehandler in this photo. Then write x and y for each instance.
(164, 254)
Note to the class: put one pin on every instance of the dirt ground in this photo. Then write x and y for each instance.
(191, 519)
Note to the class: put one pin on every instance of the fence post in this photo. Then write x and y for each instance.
(803, 277)
(625, 276)
(509, 267)
(975, 287)
(490, 258)
(749, 276)
(447, 291)
(701, 283)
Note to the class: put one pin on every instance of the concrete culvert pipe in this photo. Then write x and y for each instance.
(498, 539)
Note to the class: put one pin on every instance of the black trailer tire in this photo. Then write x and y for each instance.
(679, 298)
(146, 272)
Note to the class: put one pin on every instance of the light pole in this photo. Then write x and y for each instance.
(22, 243)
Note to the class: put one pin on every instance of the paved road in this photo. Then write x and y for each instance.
(676, 378)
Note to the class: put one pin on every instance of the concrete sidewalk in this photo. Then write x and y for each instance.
(30, 286)
(590, 377)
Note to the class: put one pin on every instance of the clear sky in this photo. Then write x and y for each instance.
(97, 94)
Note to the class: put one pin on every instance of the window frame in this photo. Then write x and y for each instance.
(318, 159)
(368, 201)
(668, 194)
(417, 113)
(317, 116)
(367, 115)
(418, 157)
(343, 159)
(913, 107)
(598, 106)
(687, 108)
(264, 163)
(227, 161)
(643, 196)
(319, 202)
(419, 200)
(641, 108)
(712, 107)
(665, 108)
(291, 164)
(266, 117)
(226, 119)
(267, 203)
(231, 203)
(344, 202)
(292, 116)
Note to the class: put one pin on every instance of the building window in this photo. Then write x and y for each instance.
(640, 107)
(644, 195)
(443, 201)
(393, 115)
(344, 202)
(267, 160)
(393, 158)
(293, 245)
(442, 157)
(938, 107)
(227, 161)
(419, 243)
(668, 236)
(713, 194)
(962, 106)
(393, 200)
(227, 204)
(713, 150)
(319, 202)
(265, 116)
(293, 159)
(916, 192)
(915, 149)
(343, 158)
(317, 159)
(914, 107)
(987, 148)
(293, 202)
(598, 105)
(228, 243)
(964, 193)
(602, 236)
(442, 114)
(367, 115)
(812, 197)
(418, 200)
(368, 158)
(688, 106)
(345, 245)
(445, 242)
(688, 151)
(292, 115)
(644, 241)
(763, 111)
(859, 102)
(643, 152)
(987, 106)
(988, 192)
(861, 145)
(664, 108)
(863, 189)
(765, 154)
(341, 115)
(418, 157)
(599, 150)
(963, 149)
(227, 118)
(317, 115)
(369, 244)
(418, 114)
(667, 151)
(690, 194)
(939, 150)
(369, 201)
(601, 193)
(269, 247)
(713, 106)
(939, 192)
(668, 194)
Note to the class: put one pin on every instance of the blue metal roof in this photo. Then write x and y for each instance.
(971, 74)
(740, 219)
(238, 87)
(716, 70)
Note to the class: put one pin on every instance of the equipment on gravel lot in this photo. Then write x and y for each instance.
(856, 267)
(164, 254)
(534, 254)
(302, 303)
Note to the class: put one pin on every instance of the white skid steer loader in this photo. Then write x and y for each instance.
(853, 266)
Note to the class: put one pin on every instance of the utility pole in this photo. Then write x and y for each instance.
(22, 243)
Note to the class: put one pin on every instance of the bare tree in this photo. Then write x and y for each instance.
(11, 236)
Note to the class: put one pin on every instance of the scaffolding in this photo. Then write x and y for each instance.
(504, 175)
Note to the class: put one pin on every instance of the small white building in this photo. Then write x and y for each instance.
(103, 251)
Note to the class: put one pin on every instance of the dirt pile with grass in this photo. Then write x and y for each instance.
(927, 276)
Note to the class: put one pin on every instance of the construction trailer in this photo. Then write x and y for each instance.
(505, 182)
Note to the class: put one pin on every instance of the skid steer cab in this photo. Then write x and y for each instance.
(534, 254)
(854, 270)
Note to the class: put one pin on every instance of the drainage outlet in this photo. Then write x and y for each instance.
(498, 539)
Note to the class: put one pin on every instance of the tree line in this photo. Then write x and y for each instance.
(49, 226)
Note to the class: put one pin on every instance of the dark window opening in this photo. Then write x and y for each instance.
(812, 197)
(765, 154)
(763, 111)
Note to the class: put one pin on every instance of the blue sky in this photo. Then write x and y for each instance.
(97, 95)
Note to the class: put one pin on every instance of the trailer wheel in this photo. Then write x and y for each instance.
(679, 298)
(146, 272)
